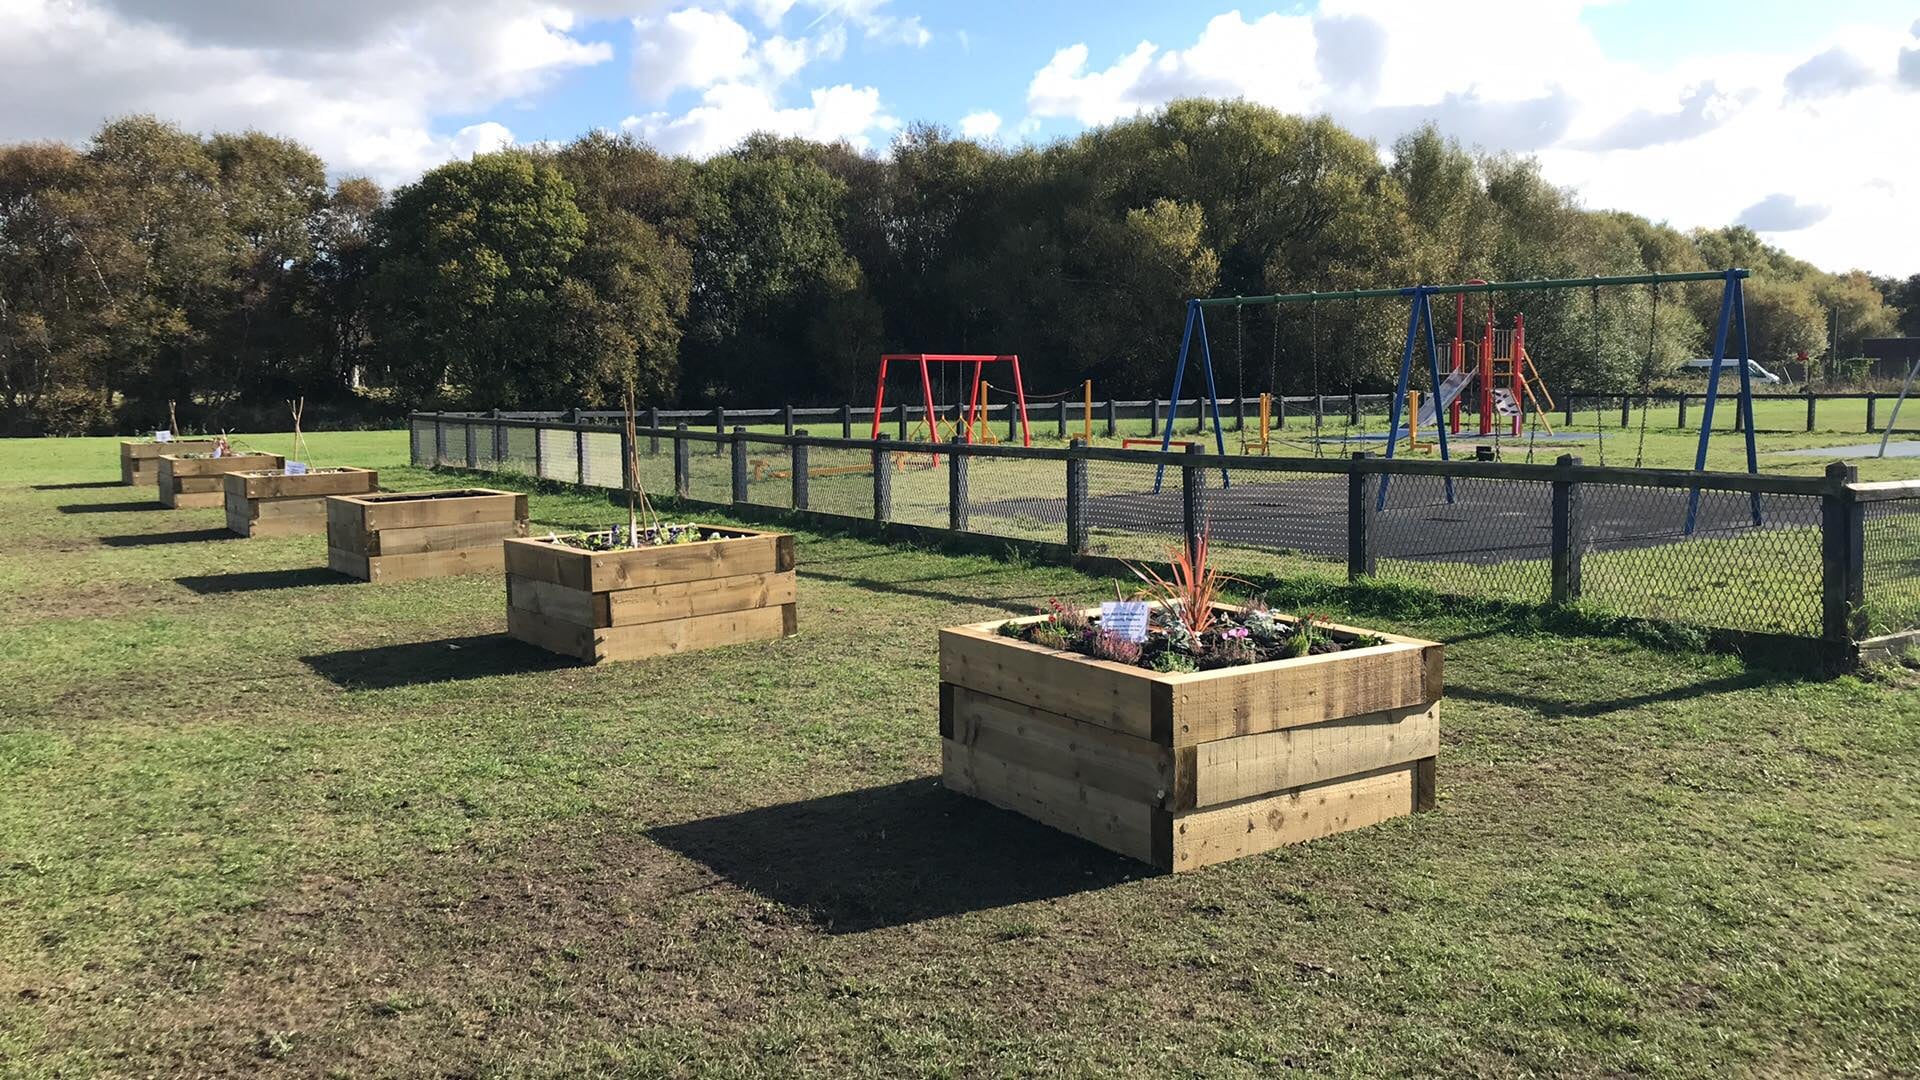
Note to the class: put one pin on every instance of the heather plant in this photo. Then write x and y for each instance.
(1107, 645)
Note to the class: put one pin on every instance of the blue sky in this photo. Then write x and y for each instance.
(1782, 115)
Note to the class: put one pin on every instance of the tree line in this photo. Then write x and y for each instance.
(226, 274)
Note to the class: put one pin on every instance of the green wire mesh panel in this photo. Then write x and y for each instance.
(1729, 574)
(1492, 540)
(1890, 576)
(1017, 498)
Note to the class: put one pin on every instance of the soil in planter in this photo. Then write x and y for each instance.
(1234, 638)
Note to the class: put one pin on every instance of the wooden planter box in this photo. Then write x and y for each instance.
(140, 458)
(186, 482)
(625, 605)
(1185, 770)
(272, 502)
(400, 536)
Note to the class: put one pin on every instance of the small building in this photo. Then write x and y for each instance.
(1891, 356)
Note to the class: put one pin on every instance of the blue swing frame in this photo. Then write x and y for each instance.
(1733, 317)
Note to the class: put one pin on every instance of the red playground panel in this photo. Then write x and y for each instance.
(979, 362)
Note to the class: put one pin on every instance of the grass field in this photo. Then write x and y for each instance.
(259, 820)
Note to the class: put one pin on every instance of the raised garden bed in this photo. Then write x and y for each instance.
(400, 536)
(274, 502)
(140, 458)
(188, 481)
(1185, 769)
(732, 586)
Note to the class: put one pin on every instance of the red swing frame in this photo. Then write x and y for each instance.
(974, 404)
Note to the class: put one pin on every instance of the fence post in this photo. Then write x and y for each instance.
(1626, 405)
(1811, 402)
(1842, 565)
(1280, 412)
(957, 485)
(1113, 419)
(738, 444)
(473, 451)
(499, 439)
(900, 414)
(1569, 531)
(1360, 561)
(1567, 404)
(1872, 401)
(1239, 414)
(439, 441)
(1077, 498)
(1193, 502)
(1353, 409)
(1153, 422)
(1319, 412)
(653, 424)
(539, 453)
(883, 482)
(846, 421)
(719, 428)
(579, 447)
(799, 469)
(786, 418)
(1683, 412)
(682, 462)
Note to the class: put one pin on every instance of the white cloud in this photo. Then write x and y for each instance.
(689, 48)
(1797, 139)
(1780, 212)
(983, 124)
(729, 112)
(366, 102)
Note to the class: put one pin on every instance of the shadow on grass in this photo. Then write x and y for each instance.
(185, 536)
(110, 507)
(85, 486)
(251, 580)
(419, 663)
(893, 855)
(1752, 678)
(1024, 604)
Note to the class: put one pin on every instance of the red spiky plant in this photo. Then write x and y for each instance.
(1191, 588)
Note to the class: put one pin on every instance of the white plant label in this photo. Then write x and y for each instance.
(296, 468)
(163, 436)
(1127, 618)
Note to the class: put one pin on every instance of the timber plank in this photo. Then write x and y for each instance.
(584, 610)
(1111, 695)
(428, 538)
(699, 561)
(421, 509)
(686, 635)
(685, 599)
(551, 634)
(553, 563)
(1111, 821)
(1074, 750)
(1227, 770)
(1260, 824)
(1280, 694)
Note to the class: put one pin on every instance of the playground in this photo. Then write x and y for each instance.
(264, 822)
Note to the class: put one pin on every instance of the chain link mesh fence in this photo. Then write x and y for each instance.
(1472, 536)
(1730, 573)
(1492, 539)
(1019, 498)
(1890, 578)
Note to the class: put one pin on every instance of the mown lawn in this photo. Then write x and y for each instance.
(255, 819)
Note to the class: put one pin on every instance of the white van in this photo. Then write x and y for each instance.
(1732, 363)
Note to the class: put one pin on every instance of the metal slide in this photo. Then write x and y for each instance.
(1451, 388)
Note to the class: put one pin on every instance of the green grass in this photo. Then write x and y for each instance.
(258, 820)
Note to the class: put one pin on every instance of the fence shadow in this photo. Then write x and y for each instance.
(418, 663)
(894, 855)
(1750, 679)
(88, 485)
(185, 536)
(252, 580)
(110, 507)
